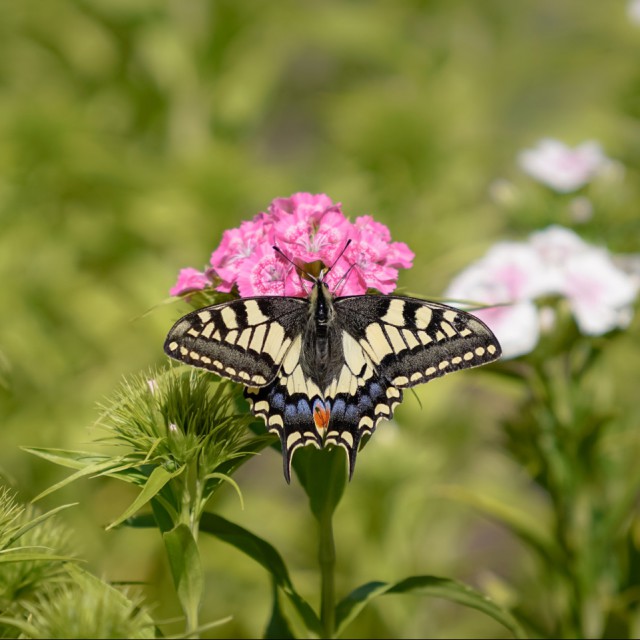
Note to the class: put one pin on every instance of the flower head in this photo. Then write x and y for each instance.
(189, 279)
(313, 233)
(553, 262)
(563, 169)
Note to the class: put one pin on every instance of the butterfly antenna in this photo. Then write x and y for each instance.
(277, 249)
(343, 280)
(339, 256)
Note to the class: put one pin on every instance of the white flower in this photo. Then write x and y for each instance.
(555, 246)
(633, 11)
(564, 169)
(600, 294)
(511, 274)
(554, 261)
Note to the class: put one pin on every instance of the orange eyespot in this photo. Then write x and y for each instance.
(321, 415)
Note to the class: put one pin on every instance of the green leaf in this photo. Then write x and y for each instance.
(89, 470)
(157, 480)
(278, 626)
(267, 556)
(356, 601)
(323, 476)
(67, 457)
(517, 521)
(186, 569)
(18, 533)
(28, 554)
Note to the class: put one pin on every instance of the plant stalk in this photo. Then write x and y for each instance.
(327, 558)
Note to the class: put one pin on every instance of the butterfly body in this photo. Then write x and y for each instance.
(324, 370)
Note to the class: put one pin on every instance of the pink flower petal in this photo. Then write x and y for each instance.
(189, 279)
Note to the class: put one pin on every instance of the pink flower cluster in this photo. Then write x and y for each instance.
(553, 262)
(312, 232)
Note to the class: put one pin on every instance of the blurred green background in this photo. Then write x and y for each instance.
(133, 132)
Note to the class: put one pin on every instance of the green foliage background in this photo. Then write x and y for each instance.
(133, 132)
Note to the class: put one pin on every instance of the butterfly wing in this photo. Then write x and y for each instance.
(411, 341)
(245, 340)
(390, 343)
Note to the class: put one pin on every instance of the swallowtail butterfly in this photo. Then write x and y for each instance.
(326, 370)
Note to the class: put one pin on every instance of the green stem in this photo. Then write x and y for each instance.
(327, 557)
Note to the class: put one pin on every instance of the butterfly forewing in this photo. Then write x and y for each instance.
(245, 340)
(411, 341)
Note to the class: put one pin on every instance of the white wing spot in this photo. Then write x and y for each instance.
(194, 356)
(173, 346)
(425, 338)
(273, 341)
(456, 360)
(382, 408)
(208, 330)
(468, 356)
(430, 371)
(204, 316)
(293, 438)
(394, 313)
(443, 365)
(258, 338)
(448, 329)
(423, 317)
(400, 381)
(254, 315)
(348, 438)
(276, 419)
(366, 422)
(379, 344)
(231, 337)
(243, 340)
(491, 349)
(410, 338)
(480, 351)
(193, 332)
(229, 317)
(397, 342)
(292, 357)
(353, 353)
(416, 376)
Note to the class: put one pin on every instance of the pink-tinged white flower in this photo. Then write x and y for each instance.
(553, 262)
(600, 295)
(189, 279)
(555, 247)
(633, 11)
(313, 233)
(511, 274)
(562, 168)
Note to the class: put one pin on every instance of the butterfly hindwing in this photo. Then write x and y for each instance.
(245, 340)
